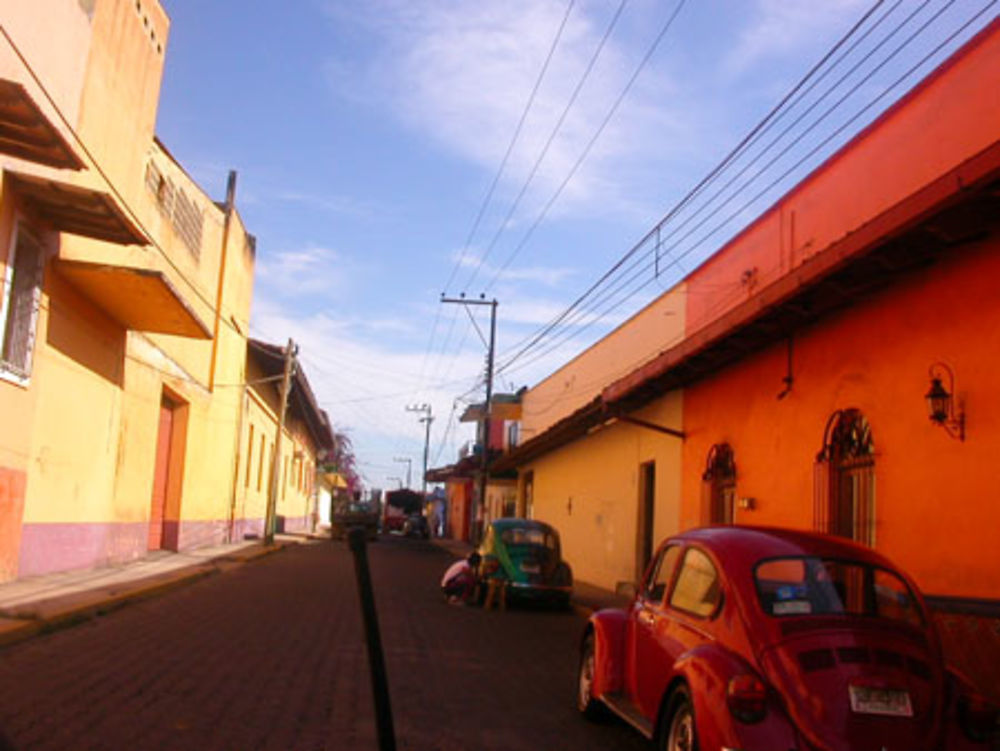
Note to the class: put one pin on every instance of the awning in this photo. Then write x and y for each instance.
(75, 209)
(25, 132)
(140, 299)
(335, 480)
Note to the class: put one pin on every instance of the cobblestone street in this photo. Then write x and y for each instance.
(270, 656)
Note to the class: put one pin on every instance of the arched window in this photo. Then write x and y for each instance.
(719, 485)
(844, 488)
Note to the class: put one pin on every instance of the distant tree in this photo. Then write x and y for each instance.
(342, 460)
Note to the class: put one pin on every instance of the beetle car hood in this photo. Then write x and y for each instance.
(851, 684)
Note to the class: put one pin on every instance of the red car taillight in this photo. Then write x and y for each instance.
(746, 696)
(977, 716)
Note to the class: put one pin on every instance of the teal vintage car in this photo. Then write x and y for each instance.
(525, 555)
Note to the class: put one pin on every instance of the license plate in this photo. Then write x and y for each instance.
(531, 568)
(882, 701)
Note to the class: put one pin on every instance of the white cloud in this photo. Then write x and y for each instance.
(550, 276)
(780, 27)
(461, 73)
(345, 205)
(307, 271)
(365, 381)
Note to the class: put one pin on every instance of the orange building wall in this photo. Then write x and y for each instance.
(936, 514)
(952, 115)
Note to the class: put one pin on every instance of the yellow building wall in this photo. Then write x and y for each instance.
(297, 492)
(589, 491)
(79, 437)
(653, 329)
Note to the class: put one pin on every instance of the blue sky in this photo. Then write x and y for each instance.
(367, 136)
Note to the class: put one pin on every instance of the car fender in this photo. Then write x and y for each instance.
(609, 628)
(707, 670)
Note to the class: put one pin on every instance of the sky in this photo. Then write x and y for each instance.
(390, 152)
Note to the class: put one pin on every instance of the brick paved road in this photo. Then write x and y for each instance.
(270, 656)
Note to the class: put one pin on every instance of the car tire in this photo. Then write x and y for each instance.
(677, 731)
(588, 706)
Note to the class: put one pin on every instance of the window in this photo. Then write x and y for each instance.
(844, 484)
(821, 586)
(246, 480)
(19, 308)
(260, 466)
(719, 485)
(513, 434)
(697, 590)
(659, 579)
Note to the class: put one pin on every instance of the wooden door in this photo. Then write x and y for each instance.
(161, 475)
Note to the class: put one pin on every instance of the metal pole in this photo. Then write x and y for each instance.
(376, 659)
(489, 407)
(427, 443)
(272, 496)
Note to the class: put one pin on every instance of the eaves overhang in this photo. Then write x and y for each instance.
(301, 401)
(961, 207)
(26, 133)
(75, 209)
(138, 298)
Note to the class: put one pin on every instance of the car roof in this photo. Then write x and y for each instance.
(513, 522)
(745, 545)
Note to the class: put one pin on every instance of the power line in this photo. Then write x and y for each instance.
(548, 143)
(565, 319)
(510, 146)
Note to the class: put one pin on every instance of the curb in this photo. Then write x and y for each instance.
(47, 616)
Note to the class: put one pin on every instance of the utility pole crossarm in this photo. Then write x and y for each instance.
(484, 461)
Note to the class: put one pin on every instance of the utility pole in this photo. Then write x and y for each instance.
(427, 419)
(409, 466)
(272, 497)
(484, 470)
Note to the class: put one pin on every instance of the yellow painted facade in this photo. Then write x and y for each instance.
(124, 418)
(297, 503)
(592, 489)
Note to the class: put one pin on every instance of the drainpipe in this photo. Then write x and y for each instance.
(227, 221)
(241, 409)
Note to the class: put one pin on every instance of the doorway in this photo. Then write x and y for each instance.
(164, 513)
(644, 529)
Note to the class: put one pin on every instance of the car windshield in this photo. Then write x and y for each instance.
(517, 536)
(820, 586)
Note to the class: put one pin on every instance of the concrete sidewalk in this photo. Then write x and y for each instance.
(586, 599)
(39, 604)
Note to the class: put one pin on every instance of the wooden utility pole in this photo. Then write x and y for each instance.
(484, 466)
(272, 496)
(427, 420)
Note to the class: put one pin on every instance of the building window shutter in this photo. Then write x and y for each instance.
(22, 296)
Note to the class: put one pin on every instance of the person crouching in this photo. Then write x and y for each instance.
(459, 582)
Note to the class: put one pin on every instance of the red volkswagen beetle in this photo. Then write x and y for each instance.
(774, 640)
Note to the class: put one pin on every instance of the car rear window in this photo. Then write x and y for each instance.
(819, 586)
(528, 536)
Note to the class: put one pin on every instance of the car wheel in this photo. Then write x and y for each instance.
(589, 707)
(678, 734)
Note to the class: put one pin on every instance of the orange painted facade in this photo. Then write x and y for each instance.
(800, 377)
(930, 489)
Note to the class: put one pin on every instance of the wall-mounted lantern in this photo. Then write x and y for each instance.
(941, 401)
